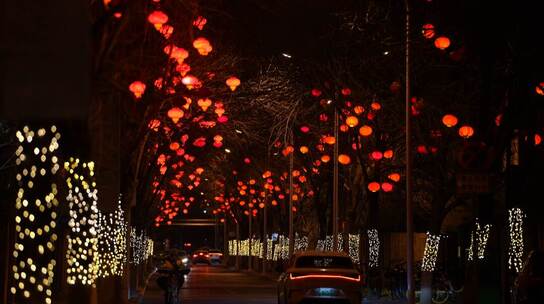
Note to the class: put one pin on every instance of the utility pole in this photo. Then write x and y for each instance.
(237, 245)
(265, 237)
(291, 233)
(335, 186)
(250, 258)
(409, 215)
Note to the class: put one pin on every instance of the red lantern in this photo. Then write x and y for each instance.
(175, 114)
(376, 155)
(316, 92)
(394, 177)
(442, 43)
(232, 82)
(365, 131)
(466, 131)
(387, 187)
(352, 121)
(374, 187)
(428, 31)
(137, 88)
(202, 45)
(449, 120)
(157, 18)
(344, 159)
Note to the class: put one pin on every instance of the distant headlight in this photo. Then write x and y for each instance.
(185, 260)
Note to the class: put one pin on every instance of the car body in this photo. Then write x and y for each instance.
(529, 285)
(201, 257)
(215, 256)
(315, 276)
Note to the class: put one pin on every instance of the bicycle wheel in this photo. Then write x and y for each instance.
(440, 296)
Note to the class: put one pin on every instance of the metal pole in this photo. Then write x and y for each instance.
(249, 258)
(225, 237)
(265, 236)
(291, 233)
(409, 215)
(237, 245)
(335, 186)
(216, 232)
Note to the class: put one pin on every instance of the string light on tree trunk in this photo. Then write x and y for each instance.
(82, 253)
(515, 249)
(482, 235)
(112, 239)
(373, 248)
(354, 240)
(430, 254)
(35, 216)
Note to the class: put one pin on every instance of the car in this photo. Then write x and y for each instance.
(529, 285)
(216, 256)
(201, 257)
(320, 276)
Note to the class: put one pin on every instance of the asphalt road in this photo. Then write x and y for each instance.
(217, 285)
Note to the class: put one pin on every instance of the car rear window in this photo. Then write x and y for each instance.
(323, 262)
(215, 251)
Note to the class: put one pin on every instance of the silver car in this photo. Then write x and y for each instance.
(316, 276)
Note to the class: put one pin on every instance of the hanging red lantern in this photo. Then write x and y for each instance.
(304, 149)
(203, 46)
(394, 177)
(316, 92)
(232, 82)
(466, 131)
(428, 31)
(344, 159)
(376, 106)
(358, 110)
(137, 88)
(304, 129)
(374, 187)
(175, 114)
(365, 130)
(442, 43)
(387, 187)
(157, 18)
(352, 121)
(200, 22)
(376, 155)
(449, 120)
(325, 158)
(388, 154)
(329, 140)
(346, 91)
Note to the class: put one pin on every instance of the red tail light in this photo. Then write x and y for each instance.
(194, 255)
(207, 255)
(201, 253)
(293, 276)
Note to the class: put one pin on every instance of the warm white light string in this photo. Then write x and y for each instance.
(373, 248)
(430, 254)
(141, 246)
(82, 253)
(112, 243)
(479, 239)
(35, 216)
(516, 246)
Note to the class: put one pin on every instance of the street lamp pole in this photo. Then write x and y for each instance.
(335, 186)
(250, 258)
(291, 233)
(409, 207)
(265, 237)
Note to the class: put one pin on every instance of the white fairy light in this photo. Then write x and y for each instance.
(82, 254)
(112, 243)
(373, 248)
(35, 217)
(482, 235)
(354, 240)
(430, 254)
(139, 246)
(515, 249)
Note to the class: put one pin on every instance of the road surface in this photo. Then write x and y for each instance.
(217, 285)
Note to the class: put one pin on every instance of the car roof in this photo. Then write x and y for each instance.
(321, 253)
